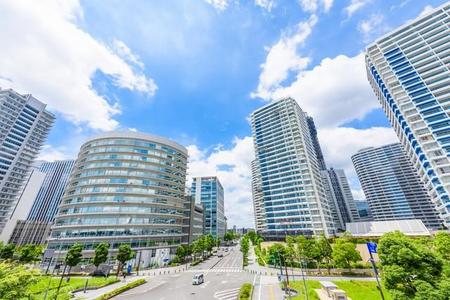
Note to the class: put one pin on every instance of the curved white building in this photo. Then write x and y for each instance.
(126, 187)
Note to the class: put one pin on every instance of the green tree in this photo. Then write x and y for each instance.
(409, 268)
(124, 254)
(229, 236)
(182, 252)
(441, 243)
(326, 251)
(218, 241)
(15, 280)
(101, 254)
(29, 253)
(209, 242)
(7, 251)
(277, 254)
(74, 255)
(344, 253)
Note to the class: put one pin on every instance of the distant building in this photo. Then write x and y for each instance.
(36, 228)
(209, 192)
(23, 206)
(363, 210)
(392, 187)
(24, 126)
(288, 194)
(340, 197)
(409, 72)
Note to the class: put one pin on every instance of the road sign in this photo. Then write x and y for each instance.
(372, 247)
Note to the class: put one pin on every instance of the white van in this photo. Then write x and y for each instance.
(198, 279)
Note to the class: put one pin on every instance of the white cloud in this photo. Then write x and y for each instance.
(266, 4)
(282, 59)
(45, 53)
(50, 153)
(311, 6)
(372, 27)
(339, 144)
(232, 167)
(334, 92)
(220, 5)
(354, 6)
(426, 10)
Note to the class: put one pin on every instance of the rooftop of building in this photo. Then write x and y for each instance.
(138, 135)
(413, 227)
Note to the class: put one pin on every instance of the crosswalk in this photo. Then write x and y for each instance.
(218, 270)
(227, 294)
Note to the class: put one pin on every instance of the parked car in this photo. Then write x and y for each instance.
(198, 279)
(220, 255)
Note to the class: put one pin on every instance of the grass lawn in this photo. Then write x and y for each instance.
(38, 289)
(356, 289)
(300, 288)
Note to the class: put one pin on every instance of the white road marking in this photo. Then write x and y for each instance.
(227, 294)
(259, 292)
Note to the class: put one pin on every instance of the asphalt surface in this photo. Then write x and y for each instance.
(223, 279)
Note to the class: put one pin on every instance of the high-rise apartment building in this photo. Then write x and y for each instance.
(316, 144)
(392, 187)
(36, 227)
(258, 199)
(24, 126)
(286, 166)
(126, 187)
(209, 192)
(340, 196)
(409, 72)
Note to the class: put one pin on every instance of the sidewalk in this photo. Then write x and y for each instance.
(93, 294)
(266, 287)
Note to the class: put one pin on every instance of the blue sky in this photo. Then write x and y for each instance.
(193, 71)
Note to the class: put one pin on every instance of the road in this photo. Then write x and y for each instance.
(223, 279)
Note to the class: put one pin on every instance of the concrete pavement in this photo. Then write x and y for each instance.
(223, 279)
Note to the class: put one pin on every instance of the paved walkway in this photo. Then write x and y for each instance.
(92, 294)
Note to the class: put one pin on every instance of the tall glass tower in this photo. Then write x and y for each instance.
(287, 169)
(409, 72)
(36, 227)
(209, 192)
(392, 187)
(24, 126)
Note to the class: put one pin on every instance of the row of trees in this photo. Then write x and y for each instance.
(311, 251)
(200, 247)
(23, 254)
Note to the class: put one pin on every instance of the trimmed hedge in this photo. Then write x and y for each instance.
(245, 293)
(122, 289)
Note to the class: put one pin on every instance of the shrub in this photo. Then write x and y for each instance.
(121, 289)
(245, 293)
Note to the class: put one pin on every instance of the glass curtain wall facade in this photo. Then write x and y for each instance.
(126, 187)
(24, 126)
(409, 72)
(36, 227)
(208, 191)
(293, 198)
(392, 187)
